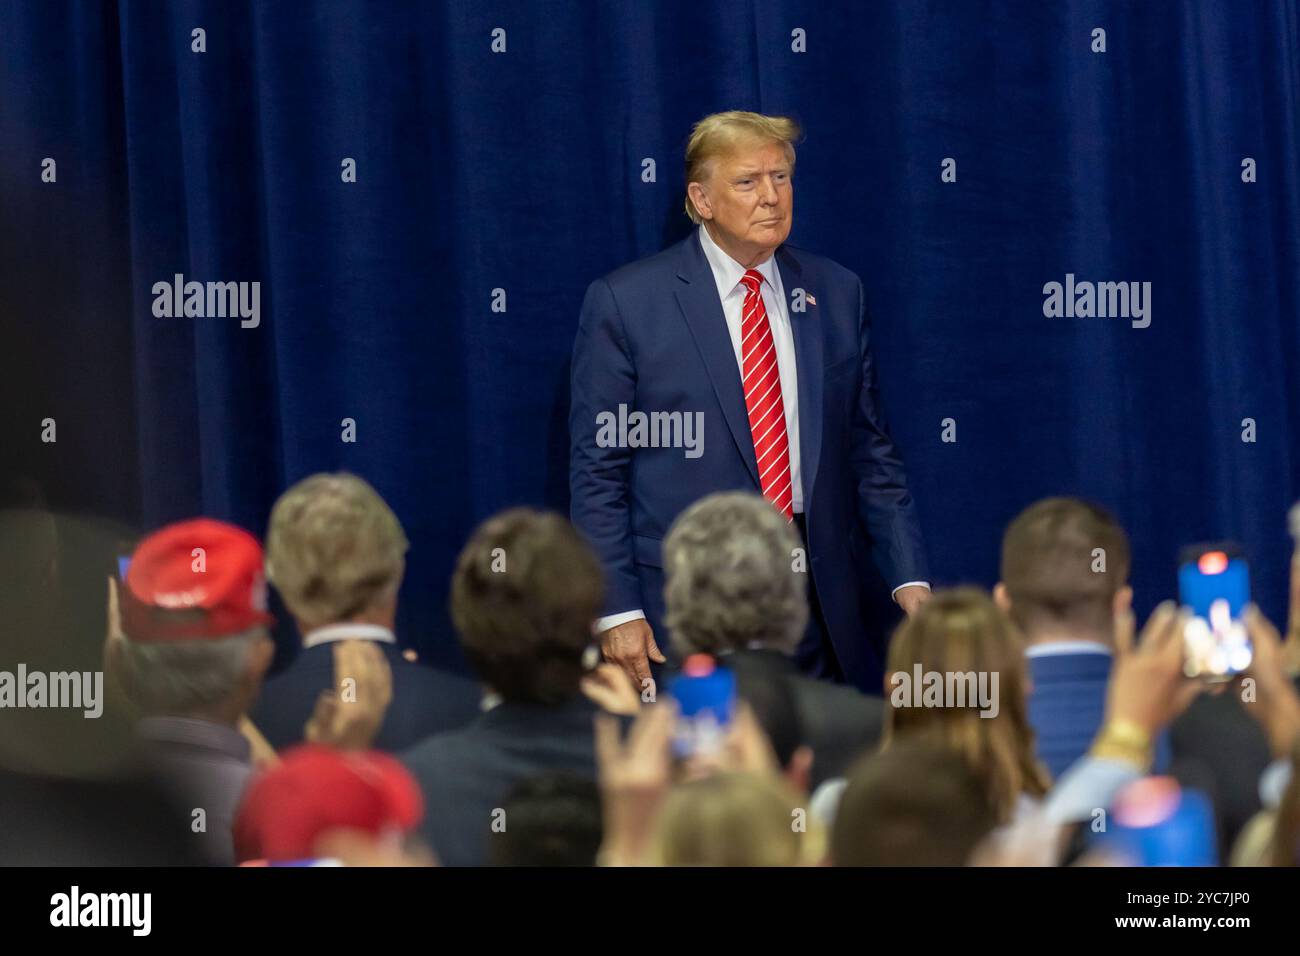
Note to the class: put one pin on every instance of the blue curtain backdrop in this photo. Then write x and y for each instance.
(523, 171)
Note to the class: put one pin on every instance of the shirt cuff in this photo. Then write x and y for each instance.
(908, 584)
(614, 620)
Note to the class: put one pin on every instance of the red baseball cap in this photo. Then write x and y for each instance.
(198, 565)
(314, 789)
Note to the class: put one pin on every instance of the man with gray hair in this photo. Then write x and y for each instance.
(735, 587)
(191, 653)
(336, 553)
(766, 350)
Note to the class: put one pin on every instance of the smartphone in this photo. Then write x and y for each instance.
(706, 703)
(1214, 585)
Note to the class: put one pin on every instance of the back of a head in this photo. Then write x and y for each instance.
(524, 595)
(733, 577)
(193, 612)
(552, 819)
(1063, 560)
(315, 790)
(72, 792)
(334, 548)
(914, 804)
(969, 695)
(733, 819)
(187, 678)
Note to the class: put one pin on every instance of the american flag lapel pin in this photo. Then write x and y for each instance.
(812, 299)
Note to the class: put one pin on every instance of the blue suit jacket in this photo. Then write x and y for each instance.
(425, 700)
(652, 337)
(1067, 706)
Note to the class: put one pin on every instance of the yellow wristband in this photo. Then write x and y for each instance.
(1124, 740)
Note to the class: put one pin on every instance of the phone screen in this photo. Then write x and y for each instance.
(1214, 585)
(706, 700)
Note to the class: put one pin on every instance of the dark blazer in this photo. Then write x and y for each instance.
(838, 722)
(425, 701)
(652, 337)
(466, 774)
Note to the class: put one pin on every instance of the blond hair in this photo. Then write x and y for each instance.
(334, 548)
(721, 134)
(962, 631)
(734, 819)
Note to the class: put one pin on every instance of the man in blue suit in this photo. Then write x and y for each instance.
(337, 554)
(733, 361)
(1065, 566)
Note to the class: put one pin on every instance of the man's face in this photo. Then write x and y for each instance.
(749, 198)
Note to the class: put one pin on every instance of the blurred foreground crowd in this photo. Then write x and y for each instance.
(1035, 725)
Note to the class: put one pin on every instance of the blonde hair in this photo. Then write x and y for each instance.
(734, 819)
(720, 134)
(334, 548)
(962, 631)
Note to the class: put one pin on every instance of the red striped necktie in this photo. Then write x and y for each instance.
(763, 398)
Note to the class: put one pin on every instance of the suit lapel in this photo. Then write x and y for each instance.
(811, 368)
(697, 296)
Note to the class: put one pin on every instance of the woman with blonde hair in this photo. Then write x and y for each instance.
(734, 819)
(956, 676)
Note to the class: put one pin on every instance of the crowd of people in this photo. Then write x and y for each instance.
(1074, 735)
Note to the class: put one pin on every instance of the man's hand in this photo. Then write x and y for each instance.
(911, 598)
(634, 778)
(1274, 702)
(113, 615)
(1148, 686)
(114, 641)
(631, 645)
(260, 749)
(609, 689)
(1291, 649)
(349, 715)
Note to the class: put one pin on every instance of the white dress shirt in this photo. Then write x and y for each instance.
(727, 273)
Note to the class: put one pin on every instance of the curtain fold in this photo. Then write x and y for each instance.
(432, 302)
